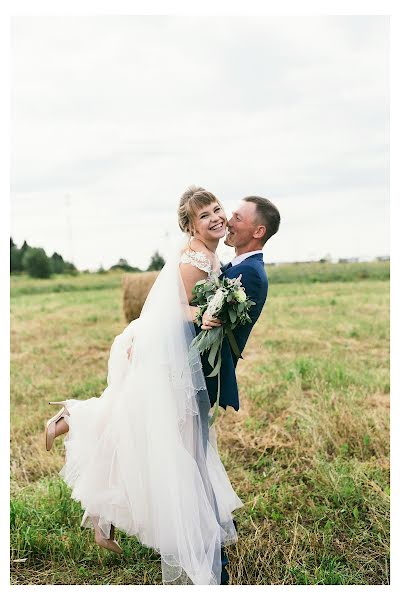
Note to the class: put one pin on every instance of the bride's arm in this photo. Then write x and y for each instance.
(190, 276)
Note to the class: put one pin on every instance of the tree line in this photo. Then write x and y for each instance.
(36, 263)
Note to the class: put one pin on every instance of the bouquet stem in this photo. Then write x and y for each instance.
(233, 342)
(216, 409)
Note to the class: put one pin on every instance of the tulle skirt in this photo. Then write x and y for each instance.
(132, 461)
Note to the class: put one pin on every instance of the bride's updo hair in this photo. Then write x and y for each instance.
(191, 200)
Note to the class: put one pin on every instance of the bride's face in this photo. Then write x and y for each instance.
(210, 222)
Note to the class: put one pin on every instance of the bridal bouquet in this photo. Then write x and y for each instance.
(225, 299)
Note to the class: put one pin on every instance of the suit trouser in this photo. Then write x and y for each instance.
(204, 406)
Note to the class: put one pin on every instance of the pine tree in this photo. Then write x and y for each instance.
(15, 258)
(156, 262)
(57, 263)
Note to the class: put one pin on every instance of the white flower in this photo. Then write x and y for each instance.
(236, 281)
(216, 302)
(240, 295)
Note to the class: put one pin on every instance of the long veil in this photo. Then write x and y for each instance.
(141, 457)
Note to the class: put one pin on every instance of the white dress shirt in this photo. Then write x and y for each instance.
(238, 259)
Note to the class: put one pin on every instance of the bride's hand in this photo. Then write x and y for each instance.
(210, 322)
(129, 352)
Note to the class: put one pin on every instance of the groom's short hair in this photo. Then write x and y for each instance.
(266, 214)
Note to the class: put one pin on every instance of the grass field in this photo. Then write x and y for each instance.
(308, 451)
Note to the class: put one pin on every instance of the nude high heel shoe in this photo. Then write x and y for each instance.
(108, 543)
(50, 429)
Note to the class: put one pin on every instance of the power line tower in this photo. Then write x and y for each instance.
(67, 198)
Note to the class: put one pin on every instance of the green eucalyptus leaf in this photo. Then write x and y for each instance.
(217, 366)
(213, 353)
(233, 342)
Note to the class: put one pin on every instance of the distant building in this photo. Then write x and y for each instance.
(383, 258)
(349, 260)
(297, 262)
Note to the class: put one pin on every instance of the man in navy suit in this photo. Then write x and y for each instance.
(253, 222)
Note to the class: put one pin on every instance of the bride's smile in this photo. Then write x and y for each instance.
(218, 226)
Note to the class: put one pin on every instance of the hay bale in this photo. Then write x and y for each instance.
(136, 287)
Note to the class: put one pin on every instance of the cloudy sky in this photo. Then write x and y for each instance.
(113, 117)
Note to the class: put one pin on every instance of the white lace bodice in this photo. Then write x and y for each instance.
(201, 261)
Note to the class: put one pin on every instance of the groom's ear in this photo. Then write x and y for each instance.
(260, 232)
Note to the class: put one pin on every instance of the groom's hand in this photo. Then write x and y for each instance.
(209, 322)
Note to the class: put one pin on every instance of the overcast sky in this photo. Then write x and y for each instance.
(113, 117)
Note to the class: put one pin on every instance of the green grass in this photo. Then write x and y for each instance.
(25, 285)
(46, 532)
(22, 284)
(324, 272)
(308, 451)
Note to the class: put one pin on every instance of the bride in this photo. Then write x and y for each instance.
(142, 457)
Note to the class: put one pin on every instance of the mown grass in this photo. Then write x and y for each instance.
(308, 451)
(324, 272)
(22, 284)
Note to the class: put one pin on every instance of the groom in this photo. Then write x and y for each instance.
(253, 222)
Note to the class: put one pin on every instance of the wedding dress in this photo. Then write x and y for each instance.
(137, 457)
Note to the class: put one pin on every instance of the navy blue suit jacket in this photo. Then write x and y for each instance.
(255, 282)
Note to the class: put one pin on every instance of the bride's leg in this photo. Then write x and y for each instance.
(61, 427)
(110, 543)
(55, 426)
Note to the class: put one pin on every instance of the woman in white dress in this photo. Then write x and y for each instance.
(141, 457)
